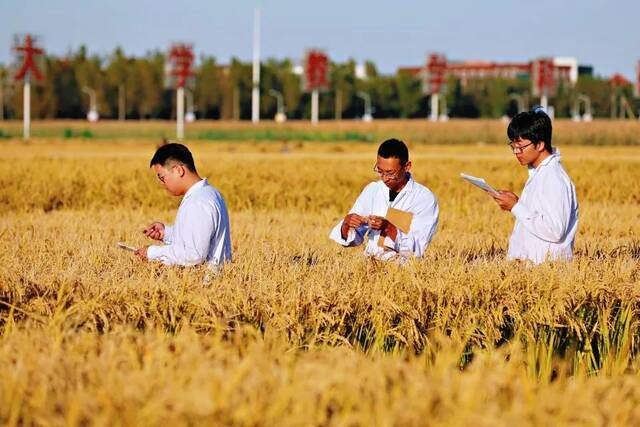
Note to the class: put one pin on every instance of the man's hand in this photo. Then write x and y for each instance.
(351, 221)
(385, 227)
(390, 231)
(142, 253)
(505, 199)
(377, 222)
(155, 231)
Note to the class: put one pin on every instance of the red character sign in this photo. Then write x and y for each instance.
(180, 61)
(316, 70)
(434, 74)
(28, 51)
(543, 77)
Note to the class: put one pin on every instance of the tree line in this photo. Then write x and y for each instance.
(135, 87)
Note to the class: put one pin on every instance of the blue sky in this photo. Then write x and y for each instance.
(390, 33)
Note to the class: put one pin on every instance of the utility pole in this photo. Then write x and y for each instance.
(255, 92)
(314, 106)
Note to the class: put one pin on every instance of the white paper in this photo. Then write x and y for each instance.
(479, 182)
(126, 247)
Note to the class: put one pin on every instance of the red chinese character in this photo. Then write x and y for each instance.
(543, 77)
(435, 72)
(316, 70)
(181, 58)
(29, 65)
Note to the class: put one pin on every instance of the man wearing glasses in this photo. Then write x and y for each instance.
(201, 231)
(395, 189)
(547, 212)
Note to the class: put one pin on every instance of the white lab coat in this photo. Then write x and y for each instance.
(201, 231)
(374, 200)
(546, 215)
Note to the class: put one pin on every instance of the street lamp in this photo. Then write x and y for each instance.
(587, 116)
(92, 115)
(190, 116)
(366, 117)
(281, 117)
(444, 115)
(579, 100)
(519, 100)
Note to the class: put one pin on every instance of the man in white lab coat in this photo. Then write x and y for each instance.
(396, 189)
(547, 212)
(201, 232)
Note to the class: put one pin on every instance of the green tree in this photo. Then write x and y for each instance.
(119, 84)
(208, 88)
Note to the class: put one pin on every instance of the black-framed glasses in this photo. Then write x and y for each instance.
(517, 149)
(391, 175)
(161, 177)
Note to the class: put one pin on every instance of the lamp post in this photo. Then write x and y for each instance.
(92, 115)
(280, 115)
(190, 115)
(367, 116)
(444, 114)
(519, 101)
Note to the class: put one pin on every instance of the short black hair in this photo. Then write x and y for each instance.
(532, 125)
(175, 152)
(394, 148)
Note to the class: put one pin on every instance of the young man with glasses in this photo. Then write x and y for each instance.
(547, 212)
(201, 230)
(395, 189)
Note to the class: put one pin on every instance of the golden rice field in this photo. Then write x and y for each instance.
(299, 331)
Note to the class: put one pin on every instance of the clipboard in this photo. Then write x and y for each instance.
(126, 247)
(478, 182)
(400, 219)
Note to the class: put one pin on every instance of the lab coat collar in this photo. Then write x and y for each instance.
(195, 187)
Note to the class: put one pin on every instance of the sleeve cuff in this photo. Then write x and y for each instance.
(154, 252)
(402, 243)
(168, 233)
(519, 210)
(351, 237)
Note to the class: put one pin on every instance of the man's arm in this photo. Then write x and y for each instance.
(168, 234)
(354, 235)
(423, 228)
(195, 238)
(551, 222)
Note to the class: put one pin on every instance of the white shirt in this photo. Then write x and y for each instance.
(374, 200)
(201, 231)
(546, 215)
